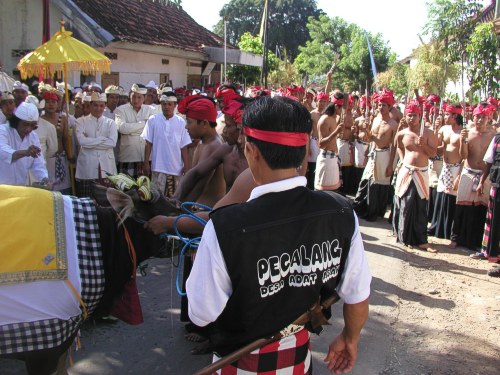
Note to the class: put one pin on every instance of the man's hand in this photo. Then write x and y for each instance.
(159, 224)
(341, 355)
(420, 141)
(402, 124)
(455, 183)
(33, 151)
(389, 170)
(480, 188)
(146, 168)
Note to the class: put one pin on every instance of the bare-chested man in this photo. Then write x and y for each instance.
(361, 135)
(321, 103)
(201, 115)
(346, 147)
(450, 139)
(327, 176)
(373, 192)
(470, 212)
(309, 99)
(415, 146)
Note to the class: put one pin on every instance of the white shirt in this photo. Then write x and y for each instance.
(47, 135)
(490, 152)
(168, 137)
(210, 272)
(97, 138)
(108, 113)
(16, 172)
(3, 119)
(130, 125)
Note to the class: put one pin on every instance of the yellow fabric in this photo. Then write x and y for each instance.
(33, 235)
(63, 50)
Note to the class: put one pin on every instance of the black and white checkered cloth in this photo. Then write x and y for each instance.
(49, 333)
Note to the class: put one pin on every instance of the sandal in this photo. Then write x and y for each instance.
(494, 259)
(479, 255)
(494, 272)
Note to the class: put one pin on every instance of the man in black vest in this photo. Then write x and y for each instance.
(491, 237)
(263, 263)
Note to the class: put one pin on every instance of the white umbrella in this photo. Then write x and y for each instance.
(6, 82)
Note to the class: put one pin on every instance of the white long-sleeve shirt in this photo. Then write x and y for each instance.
(16, 172)
(97, 138)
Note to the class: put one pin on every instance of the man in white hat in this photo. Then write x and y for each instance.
(97, 137)
(152, 96)
(131, 119)
(95, 87)
(7, 106)
(20, 150)
(20, 92)
(112, 99)
(167, 142)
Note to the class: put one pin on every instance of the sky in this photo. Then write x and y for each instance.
(399, 21)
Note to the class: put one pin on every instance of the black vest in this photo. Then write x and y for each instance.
(282, 251)
(495, 167)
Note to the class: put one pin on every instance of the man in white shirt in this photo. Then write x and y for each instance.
(20, 150)
(166, 146)
(112, 99)
(7, 107)
(97, 137)
(130, 119)
(20, 92)
(263, 263)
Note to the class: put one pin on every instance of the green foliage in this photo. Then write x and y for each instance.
(330, 35)
(431, 73)
(483, 69)
(284, 74)
(250, 74)
(287, 27)
(395, 78)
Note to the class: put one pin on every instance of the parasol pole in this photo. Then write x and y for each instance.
(69, 146)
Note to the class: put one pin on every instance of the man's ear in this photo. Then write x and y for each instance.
(252, 151)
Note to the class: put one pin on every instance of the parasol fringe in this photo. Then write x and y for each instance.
(85, 67)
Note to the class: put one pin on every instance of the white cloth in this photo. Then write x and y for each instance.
(489, 156)
(130, 125)
(107, 113)
(168, 137)
(16, 173)
(97, 138)
(3, 119)
(37, 300)
(313, 149)
(209, 269)
(47, 135)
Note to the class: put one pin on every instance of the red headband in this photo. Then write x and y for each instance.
(322, 96)
(450, 109)
(337, 101)
(480, 111)
(294, 139)
(198, 107)
(48, 95)
(413, 107)
(233, 109)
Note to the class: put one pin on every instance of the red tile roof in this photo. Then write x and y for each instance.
(149, 22)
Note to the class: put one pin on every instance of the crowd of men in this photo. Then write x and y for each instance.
(435, 164)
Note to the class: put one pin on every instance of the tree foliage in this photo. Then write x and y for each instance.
(395, 78)
(284, 74)
(287, 27)
(330, 35)
(483, 68)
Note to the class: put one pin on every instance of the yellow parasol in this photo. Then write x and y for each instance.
(58, 55)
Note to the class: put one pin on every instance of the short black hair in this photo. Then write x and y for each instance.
(330, 109)
(278, 114)
(212, 124)
(14, 121)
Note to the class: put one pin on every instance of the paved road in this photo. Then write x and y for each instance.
(158, 346)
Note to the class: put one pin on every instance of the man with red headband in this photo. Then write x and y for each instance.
(414, 145)
(470, 212)
(321, 103)
(375, 187)
(451, 140)
(58, 163)
(345, 146)
(238, 282)
(327, 176)
(201, 116)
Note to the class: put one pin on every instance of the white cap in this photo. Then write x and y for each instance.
(20, 86)
(86, 98)
(111, 89)
(168, 98)
(27, 112)
(152, 85)
(85, 85)
(96, 97)
(60, 86)
(7, 96)
(139, 90)
(95, 85)
(33, 100)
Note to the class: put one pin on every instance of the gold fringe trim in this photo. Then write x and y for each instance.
(85, 67)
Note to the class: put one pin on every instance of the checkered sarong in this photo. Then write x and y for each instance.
(291, 355)
(49, 333)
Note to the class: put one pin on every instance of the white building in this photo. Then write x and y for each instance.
(145, 40)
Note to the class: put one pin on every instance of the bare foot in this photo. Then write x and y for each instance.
(453, 245)
(428, 248)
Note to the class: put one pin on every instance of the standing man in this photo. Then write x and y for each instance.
(7, 107)
(412, 183)
(375, 186)
(470, 211)
(20, 150)
(20, 92)
(97, 137)
(112, 99)
(166, 146)
(131, 119)
(238, 281)
(451, 138)
(327, 176)
(321, 103)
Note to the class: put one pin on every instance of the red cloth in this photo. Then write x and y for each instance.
(362, 102)
(198, 107)
(322, 96)
(293, 97)
(301, 89)
(180, 90)
(433, 98)
(491, 100)
(480, 111)
(450, 109)
(387, 98)
(337, 101)
(294, 139)
(413, 107)
(233, 109)
(50, 95)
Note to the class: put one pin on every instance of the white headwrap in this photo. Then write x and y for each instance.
(151, 85)
(20, 86)
(27, 112)
(96, 97)
(139, 90)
